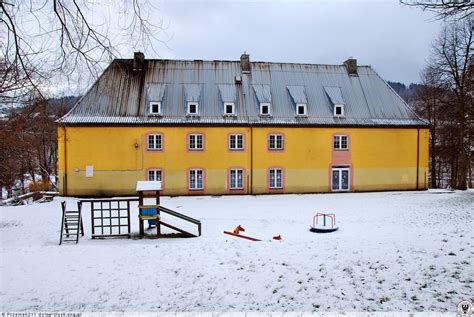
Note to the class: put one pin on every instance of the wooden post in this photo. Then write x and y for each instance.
(158, 225)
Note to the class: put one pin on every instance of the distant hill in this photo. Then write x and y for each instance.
(408, 93)
(68, 101)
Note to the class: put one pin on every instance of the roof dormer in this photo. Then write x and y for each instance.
(192, 96)
(298, 95)
(264, 98)
(155, 94)
(337, 100)
(228, 98)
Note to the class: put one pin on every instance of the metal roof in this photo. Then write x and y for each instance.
(121, 95)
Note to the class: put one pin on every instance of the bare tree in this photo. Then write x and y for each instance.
(444, 8)
(47, 38)
(449, 67)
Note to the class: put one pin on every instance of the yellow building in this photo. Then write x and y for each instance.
(240, 127)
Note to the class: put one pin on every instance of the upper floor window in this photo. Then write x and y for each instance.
(236, 180)
(265, 109)
(193, 108)
(339, 110)
(196, 179)
(155, 141)
(301, 110)
(196, 142)
(155, 175)
(341, 142)
(275, 178)
(229, 108)
(275, 142)
(236, 142)
(155, 107)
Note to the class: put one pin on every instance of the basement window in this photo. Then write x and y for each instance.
(155, 107)
(338, 110)
(301, 110)
(265, 109)
(229, 109)
(193, 108)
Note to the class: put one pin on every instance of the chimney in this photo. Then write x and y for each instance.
(351, 65)
(138, 61)
(245, 63)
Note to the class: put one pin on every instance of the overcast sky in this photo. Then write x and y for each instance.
(392, 38)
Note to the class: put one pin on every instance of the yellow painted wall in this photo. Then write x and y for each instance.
(381, 159)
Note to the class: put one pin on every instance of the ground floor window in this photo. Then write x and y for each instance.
(275, 178)
(196, 179)
(236, 180)
(340, 178)
(155, 175)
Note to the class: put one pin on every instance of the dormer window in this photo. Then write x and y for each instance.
(265, 109)
(155, 107)
(193, 108)
(339, 110)
(229, 109)
(301, 110)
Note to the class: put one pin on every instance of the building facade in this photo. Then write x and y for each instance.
(240, 127)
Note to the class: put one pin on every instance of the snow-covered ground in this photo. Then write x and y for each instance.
(394, 251)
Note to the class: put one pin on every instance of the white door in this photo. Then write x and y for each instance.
(340, 179)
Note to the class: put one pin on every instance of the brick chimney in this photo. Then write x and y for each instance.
(138, 61)
(351, 65)
(245, 63)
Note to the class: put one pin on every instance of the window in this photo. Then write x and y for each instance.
(155, 107)
(264, 109)
(301, 109)
(196, 142)
(275, 178)
(193, 108)
(236, 179)
(196, 179)
(155, 175)
(339, 110)
(229, 108)
(155, 142)
(236, 142)
(275, 142)
(341, 142)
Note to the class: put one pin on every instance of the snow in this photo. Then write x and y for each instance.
(148, 185)
(394, 251)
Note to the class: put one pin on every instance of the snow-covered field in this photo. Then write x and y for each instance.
(394, 251)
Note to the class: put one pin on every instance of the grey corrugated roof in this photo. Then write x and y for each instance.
(335, 95)
(297, 94)
(121, 96)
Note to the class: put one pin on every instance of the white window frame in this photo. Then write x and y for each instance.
(153, 103)
(155, 143)
(269, 106)
(193, 183)
(195, 136)
(235, 184)
(273, 184)
(226, 104)
(190, 103)
(337, 142)
(305, 110)
(274, 145)
(342, 110)
(155, 172)
(234, 142)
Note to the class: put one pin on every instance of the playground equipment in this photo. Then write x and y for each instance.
(241, 236)
(152, 213)
(324, 226)
(71, 225)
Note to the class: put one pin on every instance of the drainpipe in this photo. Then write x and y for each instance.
(417, 155)
(251, 160)
(65, 162)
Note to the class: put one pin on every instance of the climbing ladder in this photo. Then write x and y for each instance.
(71, 224)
